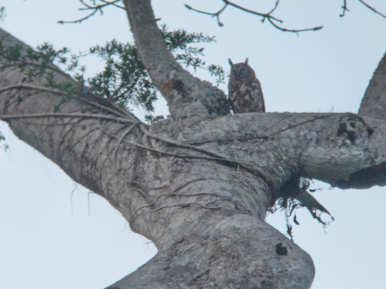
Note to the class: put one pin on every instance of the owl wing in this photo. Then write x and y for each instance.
(232, 95)
(257, 97)
(247, 97)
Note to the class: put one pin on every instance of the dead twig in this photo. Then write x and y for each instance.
(372, 8)
(93, 9)
(365, 4)
(268, 16)
(344, 9)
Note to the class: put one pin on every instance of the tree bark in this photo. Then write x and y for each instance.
(374, 102)
(197, 185)
(186, 95)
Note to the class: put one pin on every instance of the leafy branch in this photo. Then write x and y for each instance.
(123, 81)
(296, 194)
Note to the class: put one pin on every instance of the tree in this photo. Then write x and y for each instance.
(184, 151)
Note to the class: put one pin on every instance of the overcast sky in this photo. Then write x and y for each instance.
(55, 234)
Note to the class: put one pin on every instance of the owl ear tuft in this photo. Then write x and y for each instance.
(230, 62)
(246, 61)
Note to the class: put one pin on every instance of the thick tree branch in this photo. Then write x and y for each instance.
(374, 101)
(185, 94)
(109, 154)
(339, 148)
(199, 188)
(237, 251)
(175, 194)
(73, 137)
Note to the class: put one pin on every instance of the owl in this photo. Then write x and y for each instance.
(245, 94)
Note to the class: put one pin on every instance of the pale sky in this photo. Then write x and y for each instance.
(55, 234)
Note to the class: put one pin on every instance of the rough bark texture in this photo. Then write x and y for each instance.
(187, 96)
(374, 101)
(199, 184)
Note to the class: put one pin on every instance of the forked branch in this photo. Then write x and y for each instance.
(372, 8)
(92, 8)
(265, 16)
(187, 96)
(276, 22)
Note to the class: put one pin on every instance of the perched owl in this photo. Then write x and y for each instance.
(245, 94)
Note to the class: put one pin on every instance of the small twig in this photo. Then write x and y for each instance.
(85, 4)
(100, 6)
(372, 8)
(79, 20)
(253, 12)
(274, 7)
(344, 9)
(216, 14)
(283, 29)
(94, 9)
(114, 3)
(268, 16)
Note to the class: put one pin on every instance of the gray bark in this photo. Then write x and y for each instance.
(374, 102)
(199, 184)
(186, 95)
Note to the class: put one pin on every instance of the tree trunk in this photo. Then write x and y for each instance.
(198, 184)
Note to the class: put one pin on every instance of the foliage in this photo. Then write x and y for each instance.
(297, 194)
(123, 80)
